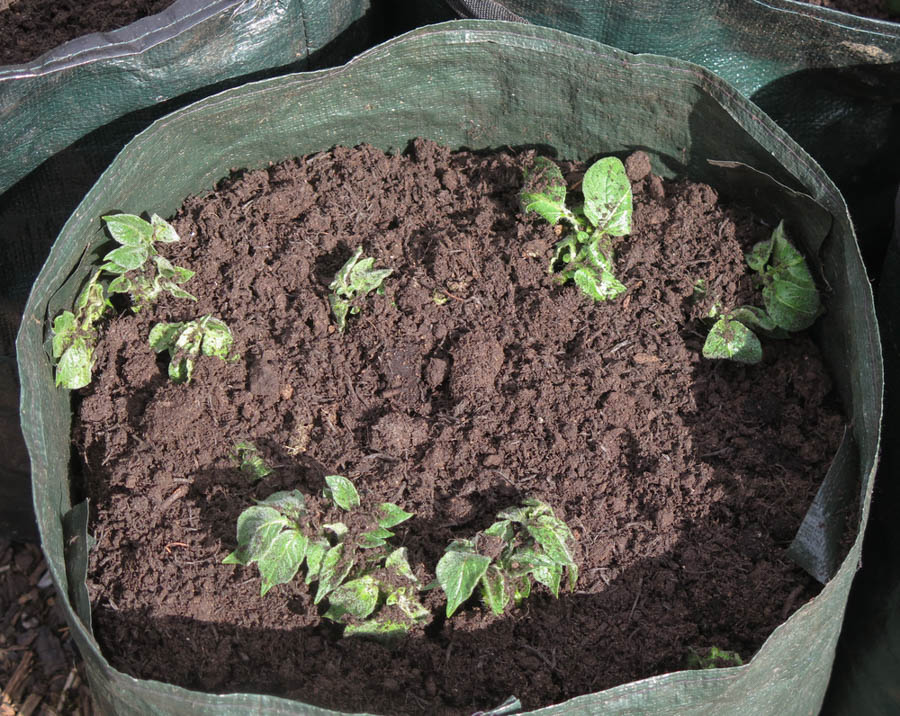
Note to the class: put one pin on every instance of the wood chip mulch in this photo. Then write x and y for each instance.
(40, 671)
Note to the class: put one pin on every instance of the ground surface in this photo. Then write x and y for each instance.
(683, 479)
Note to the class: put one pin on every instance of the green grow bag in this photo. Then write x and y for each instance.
(483, 85)
(65, 115)
(830, 79)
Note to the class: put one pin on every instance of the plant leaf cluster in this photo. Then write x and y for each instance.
(587, 251)
(355, 279)
(75, 333)
(714, 658)
(186, 340)
(358, 574)
(533, 547)
(128, 262)
(246, 456)
(789, 295)
(74, 336)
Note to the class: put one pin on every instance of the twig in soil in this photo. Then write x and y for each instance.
(637, 598)
(174, 544)
(542, 656)
(171, 499)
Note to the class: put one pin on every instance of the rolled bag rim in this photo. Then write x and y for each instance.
(466, 32)
(132, 39)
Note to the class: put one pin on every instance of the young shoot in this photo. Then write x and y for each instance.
(526, 544)
(713, 658)
(369, 586)
(789, 295)
(246, 456)
(185, 341)
(355, 279)
(74, 336)
(129, 262)
(586, 252)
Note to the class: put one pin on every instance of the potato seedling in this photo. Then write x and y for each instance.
(789, 295)
(74, 336)
(129, 261)
(246, 456)
(586, 251)
(714, 658)
(186, 340)
(530, 543)
(355, 279)
(369, 586)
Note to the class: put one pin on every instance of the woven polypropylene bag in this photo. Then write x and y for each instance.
(832, 80)
(482, 85)
(65, 115)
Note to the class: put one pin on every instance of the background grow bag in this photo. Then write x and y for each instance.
(481, 85)
(65, 115)
(830, 79)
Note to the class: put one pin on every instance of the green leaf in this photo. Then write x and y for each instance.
(239, 556)
(64, 328)
(120, 284)
(601, 286)
(759, 255)
(385, 632)
(544, 191)
(315, 553)
(217, 339)
(127, 258)
(181, 370)
(329, 577)
(522, 588)
(340, 307)
(250, 461)
(391, 515)
(174, 289)
(290, 503)
(607, 197)
(183, 275)
(409, 604)
(753, 317)
(550, 577)
(342, 492)
(732, 340)
(493, 590)
(398, 562)
(74, 368)
(375, 538)
(91, 303)
(128, 229)
(254, 518)
(502, 529)
(163, 336)
(552, 534)
(358, 597)
(281, 562)
(458, 573)
(162, 230)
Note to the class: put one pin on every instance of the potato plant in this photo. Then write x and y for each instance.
(353, 281)
(186, 340)
(586, 251)
(789, 295)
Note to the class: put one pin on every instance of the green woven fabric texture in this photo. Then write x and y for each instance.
(830, 79)
(482, 85)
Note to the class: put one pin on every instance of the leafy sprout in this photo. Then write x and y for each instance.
(531, 545)
(369, 585)
(586, 252)
(128, 262)
(75, 336)
(355, 279)
(185, 341)
(246, 455)
(713, 658)
(789, 295)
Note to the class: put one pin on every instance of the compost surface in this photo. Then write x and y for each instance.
(474, 382)
(31, 27)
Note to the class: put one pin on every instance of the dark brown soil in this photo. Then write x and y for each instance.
(30, 28)
(865, 8)
(683, 479)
